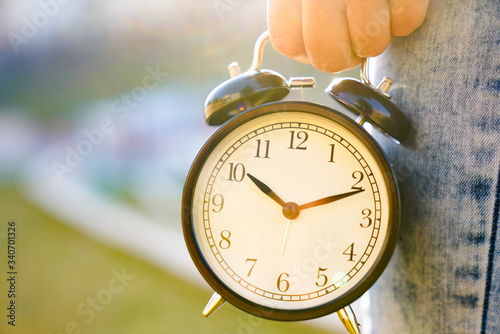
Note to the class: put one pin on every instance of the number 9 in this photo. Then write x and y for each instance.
(218, 202)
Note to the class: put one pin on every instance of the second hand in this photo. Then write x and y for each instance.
(286, 233)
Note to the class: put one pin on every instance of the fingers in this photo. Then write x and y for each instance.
(313, 31)
(285, 28)
(407, 15)
(333, 35)
(369, 24)
(326, 35)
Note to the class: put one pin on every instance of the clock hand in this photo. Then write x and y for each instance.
(290, 211)
(328, 199)
(266, 190)
(284, 238)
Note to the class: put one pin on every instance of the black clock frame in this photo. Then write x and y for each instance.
(350, 295)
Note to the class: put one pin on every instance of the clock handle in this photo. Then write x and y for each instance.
(258, 51)
(349, 320)
(382, 87)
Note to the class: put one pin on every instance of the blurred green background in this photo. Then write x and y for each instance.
(101, 114)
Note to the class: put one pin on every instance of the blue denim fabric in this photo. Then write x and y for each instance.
(445, 273)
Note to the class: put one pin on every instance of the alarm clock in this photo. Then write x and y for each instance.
(291, 209)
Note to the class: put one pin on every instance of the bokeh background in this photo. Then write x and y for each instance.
(101, 115)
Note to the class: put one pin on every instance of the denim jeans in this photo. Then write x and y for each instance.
(445, 274)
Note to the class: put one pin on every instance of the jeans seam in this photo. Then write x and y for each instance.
(491, 255)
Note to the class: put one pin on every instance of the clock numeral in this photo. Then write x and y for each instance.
(225, 243)
(301, 135)
(236, 172)
(218, 202)
(357, 175)
(366, 213)
(321, 277)
(332, 151)
(266, 150)
(283, 284)
(253, 265)
(350, 252)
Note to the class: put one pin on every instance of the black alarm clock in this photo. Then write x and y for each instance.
(291, 209)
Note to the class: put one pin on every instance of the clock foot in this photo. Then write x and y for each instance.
(348, 318)
(215, 302)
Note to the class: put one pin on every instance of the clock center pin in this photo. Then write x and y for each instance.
(291, 210)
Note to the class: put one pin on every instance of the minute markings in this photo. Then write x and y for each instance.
(330, 156)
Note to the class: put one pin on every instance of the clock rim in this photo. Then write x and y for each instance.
(350, 295)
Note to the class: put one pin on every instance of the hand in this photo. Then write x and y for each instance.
(328, 199)
(333, 35)
(266, 190)
(291, 210)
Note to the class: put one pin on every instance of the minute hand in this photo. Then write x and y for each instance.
(328, 199)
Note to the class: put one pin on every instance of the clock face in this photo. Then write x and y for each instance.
(291, 211)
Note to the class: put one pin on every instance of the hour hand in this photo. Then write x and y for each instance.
(329, 199)
(266, 190)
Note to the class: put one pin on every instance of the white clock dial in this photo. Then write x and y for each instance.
(292, 211)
